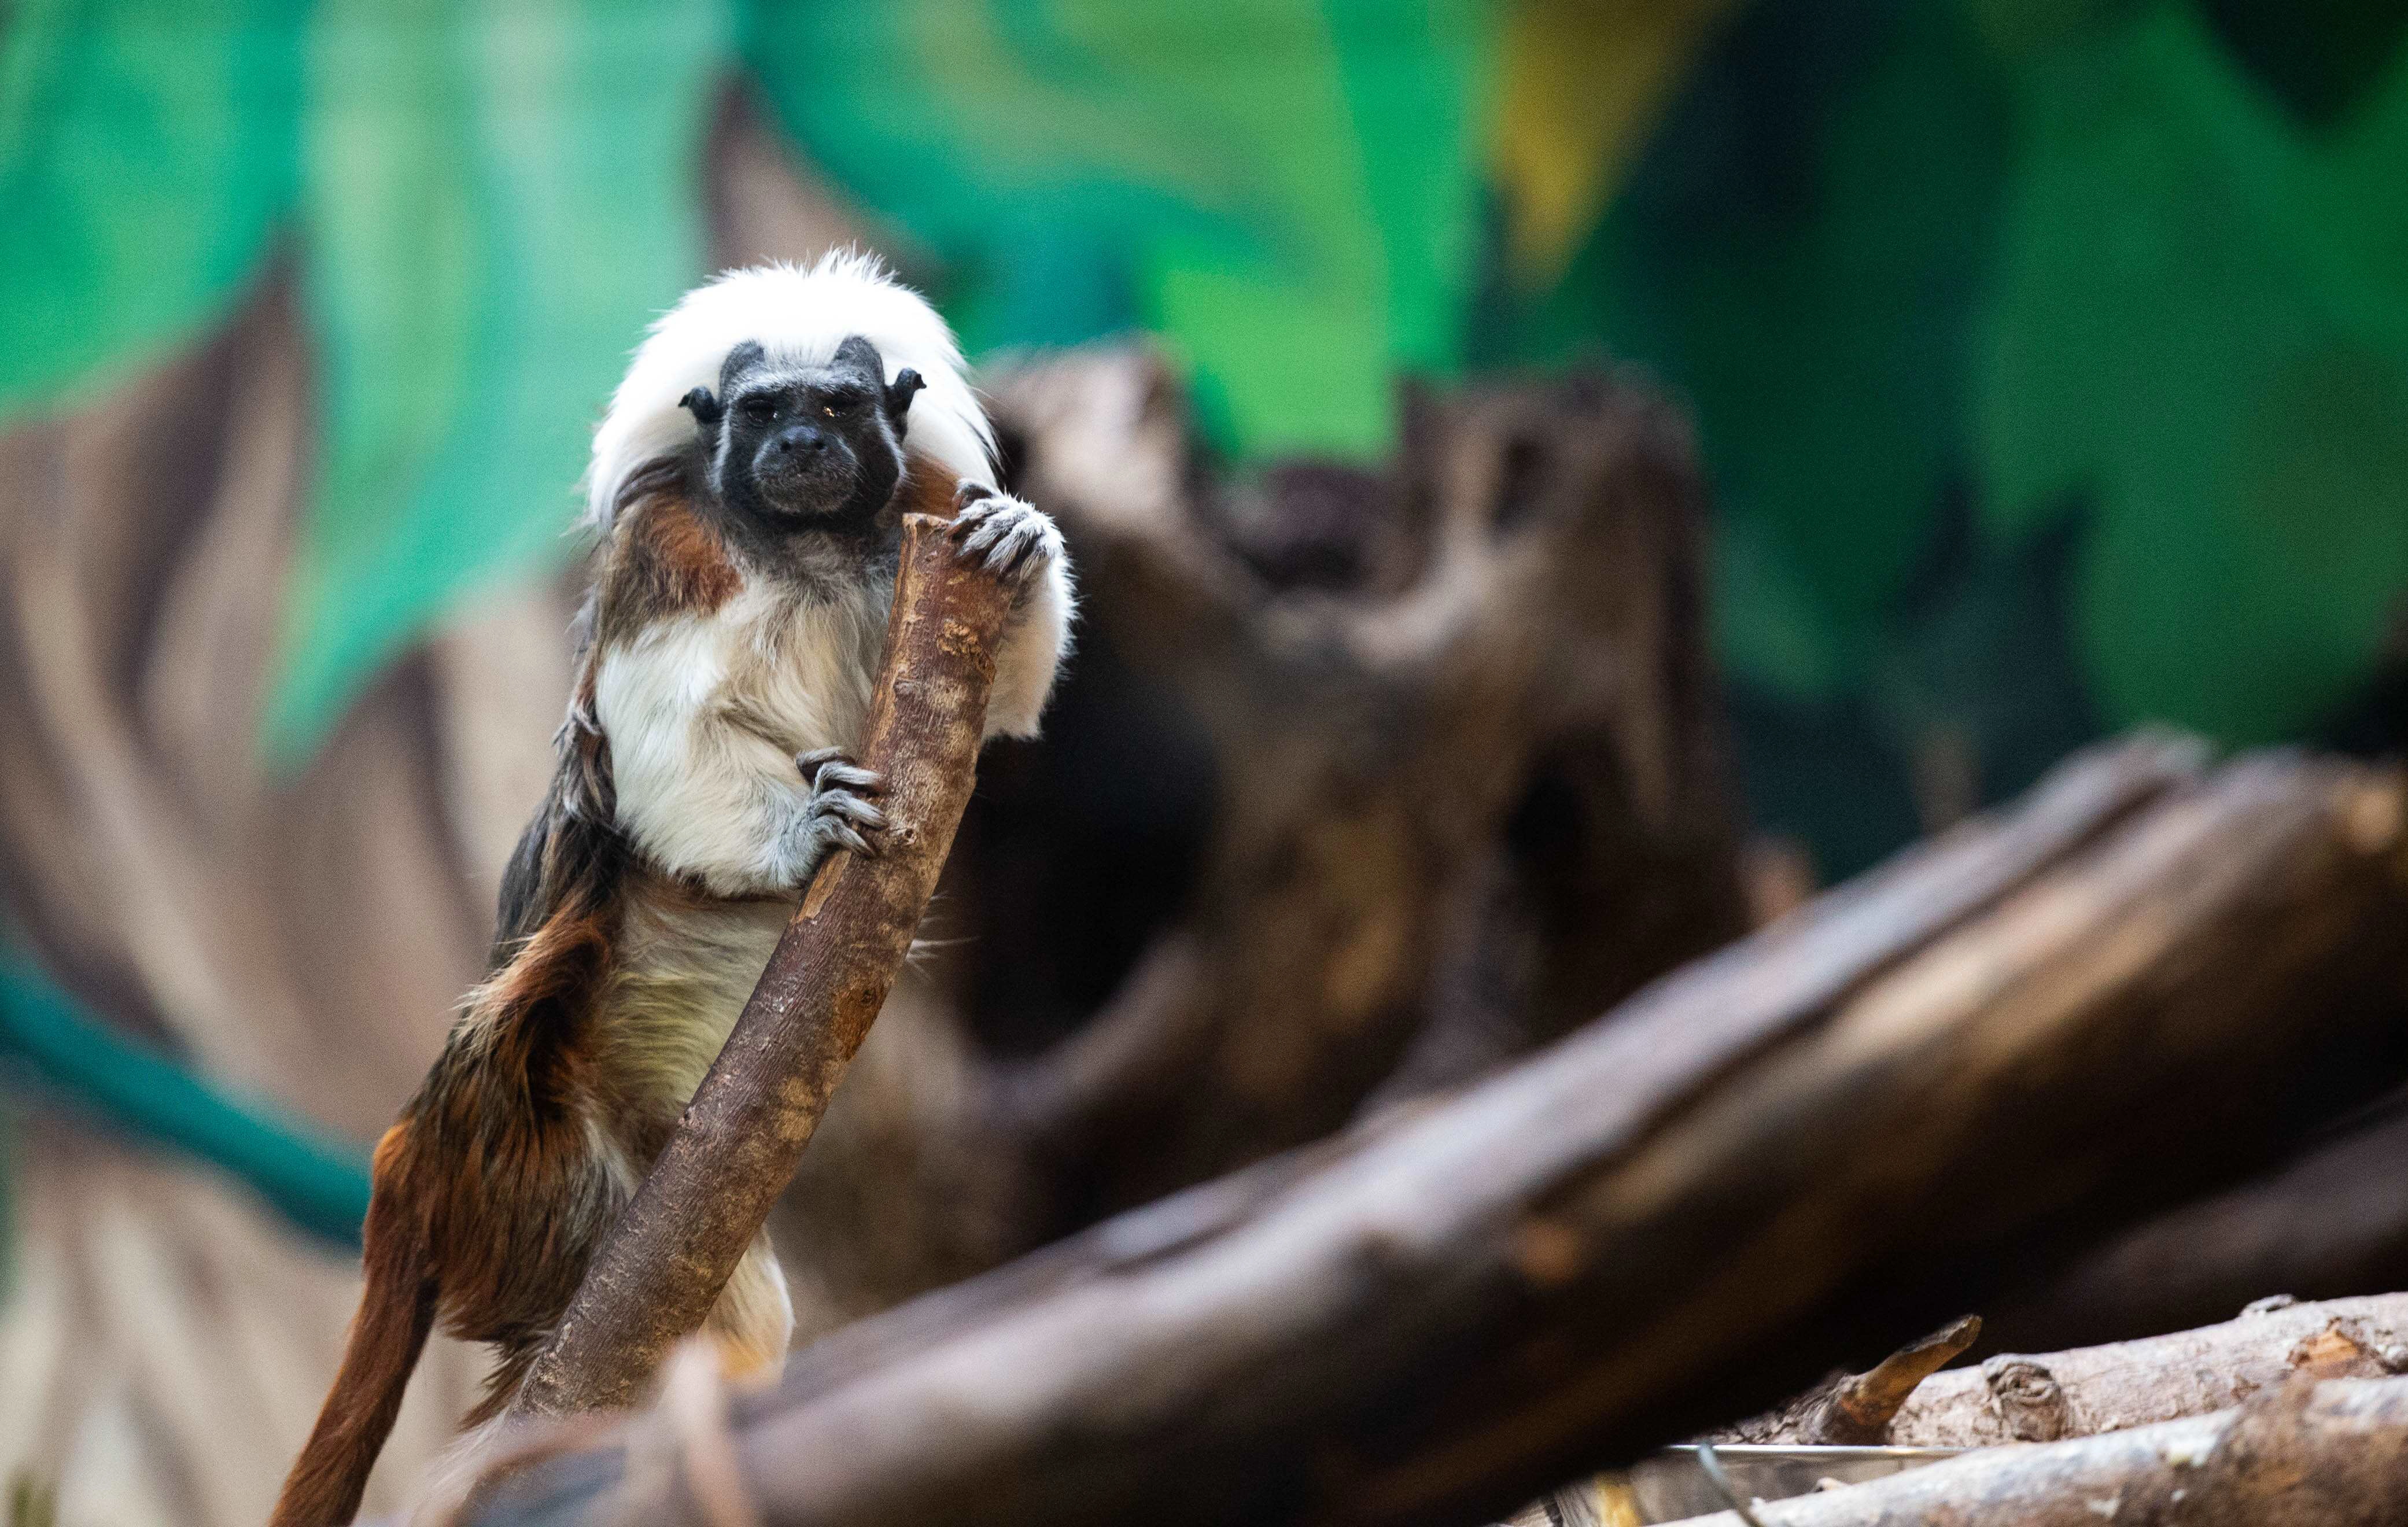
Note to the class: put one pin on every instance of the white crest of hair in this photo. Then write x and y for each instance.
(799, 314)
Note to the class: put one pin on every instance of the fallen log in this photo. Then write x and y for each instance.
(735, 1145)
(2309, 1454)
(2092, 1002)
(1859, 929)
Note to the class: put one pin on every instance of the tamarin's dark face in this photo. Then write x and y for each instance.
(805, 448)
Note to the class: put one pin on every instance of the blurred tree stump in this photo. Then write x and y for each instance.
(2146, 977)
(1459, 759)
(1468, 743)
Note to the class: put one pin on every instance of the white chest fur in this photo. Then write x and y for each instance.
(706, 712)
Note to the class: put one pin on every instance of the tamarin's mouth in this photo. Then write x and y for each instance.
(823, 487)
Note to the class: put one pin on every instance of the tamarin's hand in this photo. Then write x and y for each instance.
(842, 814)
(998, 532)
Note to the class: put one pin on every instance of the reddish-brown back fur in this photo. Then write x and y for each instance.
(661, 560)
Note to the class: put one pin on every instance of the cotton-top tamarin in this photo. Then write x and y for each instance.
(748, 487)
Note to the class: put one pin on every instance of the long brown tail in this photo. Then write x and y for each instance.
(396, 1312)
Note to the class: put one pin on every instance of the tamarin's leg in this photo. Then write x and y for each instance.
(754, 1321)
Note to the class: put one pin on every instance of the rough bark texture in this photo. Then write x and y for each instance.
(2028, 1022)
(735, 1145)
(2333, 1454)
(2044, 1397)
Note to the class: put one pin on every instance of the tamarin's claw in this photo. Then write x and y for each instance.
(1002, 533)
(826, 767)
(840, 814)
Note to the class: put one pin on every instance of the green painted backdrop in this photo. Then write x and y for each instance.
(2051, 355)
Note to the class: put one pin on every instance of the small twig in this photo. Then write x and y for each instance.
(1860, 1409)
(735, 1147)
(1856, 1408)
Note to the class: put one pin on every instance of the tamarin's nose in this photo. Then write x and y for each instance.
(801, 440)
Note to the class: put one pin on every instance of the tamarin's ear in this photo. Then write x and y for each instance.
(858, 354)
(899, 396)
(704, 406)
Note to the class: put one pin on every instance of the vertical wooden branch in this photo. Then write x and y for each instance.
(735, 1147)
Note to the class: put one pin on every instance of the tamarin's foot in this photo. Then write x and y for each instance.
(840, 814)
(995, 531)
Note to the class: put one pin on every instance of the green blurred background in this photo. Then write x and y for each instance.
(2051, 357)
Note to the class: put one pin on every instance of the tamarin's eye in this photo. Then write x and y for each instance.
(761, 409)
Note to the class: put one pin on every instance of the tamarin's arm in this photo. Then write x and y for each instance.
(703, 791)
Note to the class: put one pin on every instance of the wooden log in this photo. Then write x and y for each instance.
(1861, 928)
(2015, 1398)
(735, 1145)
(2097, 997)
(2046, 1397)
(2331, 1454)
